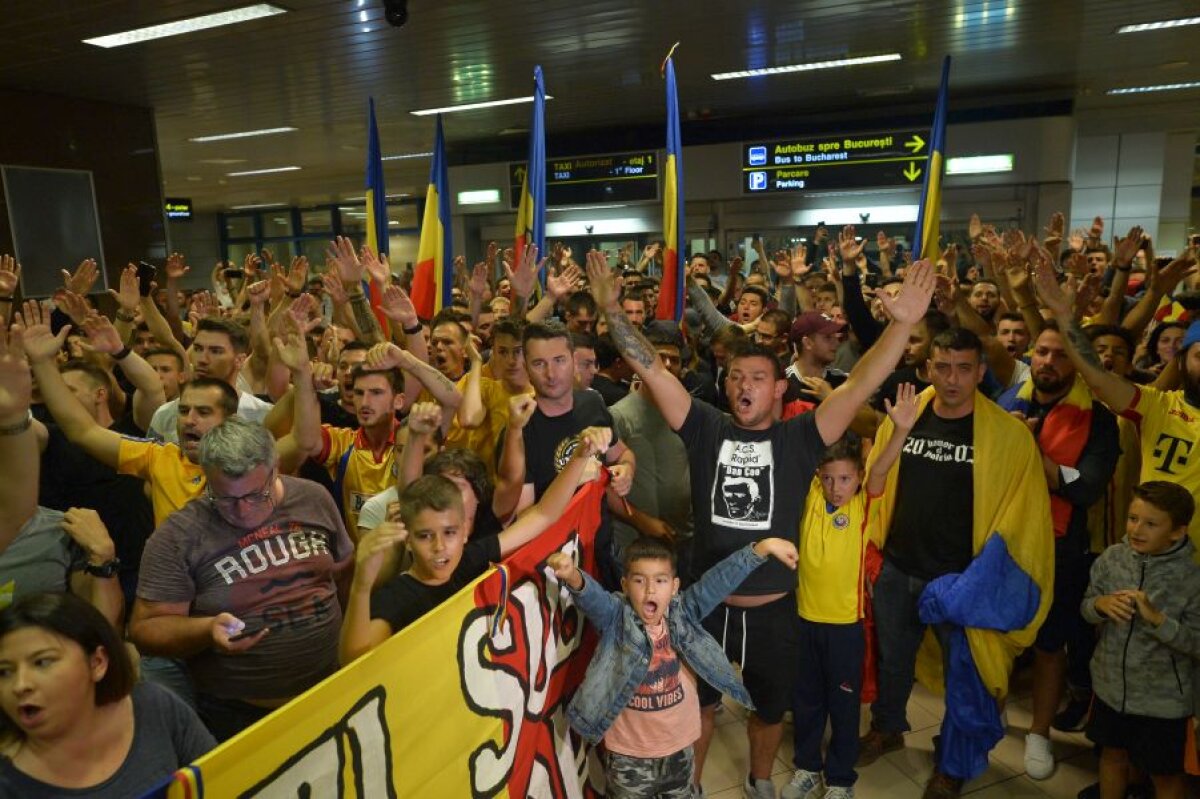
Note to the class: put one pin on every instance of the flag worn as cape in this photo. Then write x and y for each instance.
(1011, 499)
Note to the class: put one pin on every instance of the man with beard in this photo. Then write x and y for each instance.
(985, 299)
(773, 331)
(1078, 441)
(1168, 421)
(337, 404)
(531, 456)
(779, 458)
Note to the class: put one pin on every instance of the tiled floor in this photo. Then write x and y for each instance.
(902, 775)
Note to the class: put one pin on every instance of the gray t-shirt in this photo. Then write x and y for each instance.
(167, 734)
(163, 425)
(663, 486)
(279, 575)
(40, 559)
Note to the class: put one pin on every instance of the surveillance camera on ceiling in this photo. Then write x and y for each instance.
(865, 217)
(396, 12)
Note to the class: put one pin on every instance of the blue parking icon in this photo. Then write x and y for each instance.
(758, 181)
(757, 156)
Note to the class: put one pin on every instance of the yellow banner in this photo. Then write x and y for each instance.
(469, 701)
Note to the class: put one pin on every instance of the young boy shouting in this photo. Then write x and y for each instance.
(829, 598)
(1145, 596)
(432, 525)
(639, 694)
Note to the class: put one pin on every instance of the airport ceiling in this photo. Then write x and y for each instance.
(313, 68)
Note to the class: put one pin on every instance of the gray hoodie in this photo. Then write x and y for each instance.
(1137, 668)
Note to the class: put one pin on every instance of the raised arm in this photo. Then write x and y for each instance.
(305, 438)
(18, 443)
(510, 475)
(423, 422)
(148, 394)
(41, 347)
(667, 392)
(1160, 283)
(1113, 390)
(350, 270)
(906, 309)
(471, 412)
(904, 415)
(10, 280)
(389, 356)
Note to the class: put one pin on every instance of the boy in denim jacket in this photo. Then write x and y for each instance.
(639, 694)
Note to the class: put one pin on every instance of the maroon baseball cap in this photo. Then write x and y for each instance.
(811, 322)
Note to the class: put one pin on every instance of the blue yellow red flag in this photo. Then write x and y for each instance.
(433, 277)
(377, 221)
(670, 298)
(925, 241)
(531, 210)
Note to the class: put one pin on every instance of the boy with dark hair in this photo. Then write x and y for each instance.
(1145, 596)
(638, 696)
(431, 512)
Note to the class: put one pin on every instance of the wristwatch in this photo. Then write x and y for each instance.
(106, 569)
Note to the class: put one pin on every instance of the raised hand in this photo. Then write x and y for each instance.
(1095, 236)
(1061, 303)
(175, 267)
(16, 380)
(848, 248)
(72, 305)
(1125, 249)
(377, 266)
(34, 331)
(101, 335)
(341, 252)
(385, 356)
(563, 566)
(1054, 234)
(300, 314)
(251, 265)
(10, 275)
(560, 285)
(886, 245)
(478, 283)
(602, 282)
(292, 352)
(258, 292)
(1088, 290)
(398, 307)
(905, 410)
(520, 409)
(1164, 280)
(799, 261)
(324, 375)
(1076, 264)
(84, 278)
(523, 277)
(127, 296)
(1076, 240)
(911, 304)
(297, 275)
(651, 250)
(424, 418)
(975, 227)
(369, 554)
(334, 288)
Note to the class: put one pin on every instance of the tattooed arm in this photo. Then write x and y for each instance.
(667, 392)
(364, 317)
(1113, 390)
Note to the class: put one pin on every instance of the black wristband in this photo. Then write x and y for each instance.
(123, 354)
(294, 294)
(6, 299)
(412, 331)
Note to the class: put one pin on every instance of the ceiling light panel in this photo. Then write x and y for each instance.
(1142, 27)
(190, 25)
(1161, 87)
(245, 134)
(809, 67)
(268, 171)
(450, 109)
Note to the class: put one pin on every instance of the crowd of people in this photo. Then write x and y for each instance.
(841, 470)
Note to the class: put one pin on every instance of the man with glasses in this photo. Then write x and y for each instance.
(244, 584)
(772, 331)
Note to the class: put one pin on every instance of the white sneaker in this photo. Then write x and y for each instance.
(1039, 758)
(839, 792)
(804, 785)
(758, 789)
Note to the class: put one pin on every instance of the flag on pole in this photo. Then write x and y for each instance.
(925, 242)
(670, 297)
(531, 210)
(377, 221)
(433, 277)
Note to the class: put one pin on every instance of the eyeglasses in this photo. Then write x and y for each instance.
(254, 499)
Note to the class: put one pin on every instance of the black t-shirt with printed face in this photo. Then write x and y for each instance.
(931, 532)
(748, 485)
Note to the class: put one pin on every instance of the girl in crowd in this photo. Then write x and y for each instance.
(74, 722)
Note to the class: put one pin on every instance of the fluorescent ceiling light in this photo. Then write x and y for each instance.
(480, 197)
(255, 205)
(586, 207)
(1160, 25)
(245, 134)
(262, 171)
(979, 164)
(1162, 87)
(474, 106)
(841, 62)
(204, 22)
(403, 156)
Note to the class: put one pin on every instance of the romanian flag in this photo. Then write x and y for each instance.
(670, 297)
(531, 210)
(925, 243)
(433, 277)
(377, 221)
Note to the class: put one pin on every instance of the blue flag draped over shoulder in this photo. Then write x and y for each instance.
(925, 241)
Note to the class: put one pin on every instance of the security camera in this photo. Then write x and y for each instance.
(865, 218)
(588, 228)
(396, 12)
